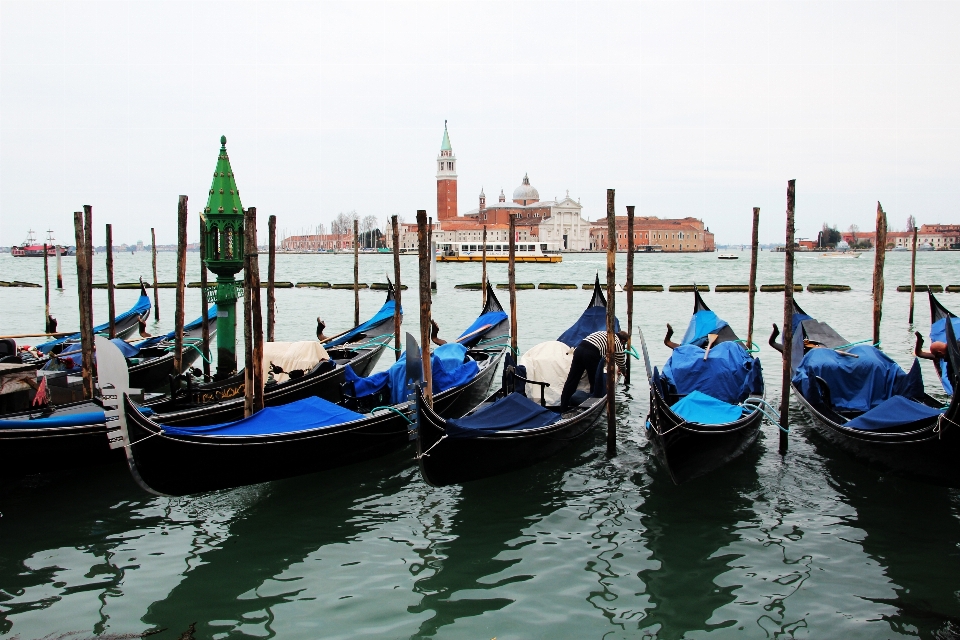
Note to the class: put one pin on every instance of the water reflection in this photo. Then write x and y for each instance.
(225, 591)
(474, 533)
(911, 530)
(688, 531)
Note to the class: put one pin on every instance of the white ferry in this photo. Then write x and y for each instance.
(499, 252)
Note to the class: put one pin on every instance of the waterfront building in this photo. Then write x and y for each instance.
(653, 233)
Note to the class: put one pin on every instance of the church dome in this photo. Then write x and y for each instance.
(525, 193)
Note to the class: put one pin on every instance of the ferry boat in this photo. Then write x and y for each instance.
(728, 256)
(30, 249)
(497, 252)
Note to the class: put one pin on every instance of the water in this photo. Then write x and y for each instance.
(812, 545)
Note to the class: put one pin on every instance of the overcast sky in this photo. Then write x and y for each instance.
(701, 109)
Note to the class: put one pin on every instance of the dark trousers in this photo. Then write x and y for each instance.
(586, 357)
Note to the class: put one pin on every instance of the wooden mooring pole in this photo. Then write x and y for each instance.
(111, 303)
(47, 320)
(181, 284)
(204, 304)
(629, 286)
(356, 273)
(271, 277)
(913, 273)
(483, 276)
(433, 256)
(397, 318)
(423, 251)
(86, 312)
(752, 291)
(787, 319)
(512, 280)
(611, 316)
(253, 327)
(156, 293)
(57, 250)
(880, 253)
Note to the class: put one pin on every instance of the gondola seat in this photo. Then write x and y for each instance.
(514, 412)
(895, 414)
(705, 409)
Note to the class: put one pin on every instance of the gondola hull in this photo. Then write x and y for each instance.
(25, 451)
(155, 372)
(176, 465)
(688, 450)
(445, 461)
(929, 453)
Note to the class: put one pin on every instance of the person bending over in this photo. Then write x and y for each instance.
(587, 357)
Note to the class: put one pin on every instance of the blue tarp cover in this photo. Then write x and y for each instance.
(729, 373)
(896, 412)
(512, 413)
(797, 319)
(63, 420)
(492, 318)
(385, 313)
(592, 320)
(302, 415)
(856, 384)
(447, 368)
(142, 306)
(704, 409)
(701, 324)
(74, 353)
(938, 333)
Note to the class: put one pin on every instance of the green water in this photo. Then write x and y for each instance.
(583, 546)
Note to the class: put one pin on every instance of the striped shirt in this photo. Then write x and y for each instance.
(599, 340)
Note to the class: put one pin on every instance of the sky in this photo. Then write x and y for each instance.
(700, 109)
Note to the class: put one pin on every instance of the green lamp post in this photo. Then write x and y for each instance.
(223, 217)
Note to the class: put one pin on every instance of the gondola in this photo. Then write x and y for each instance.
(865, 404)
(73, 434)
(151, 360)
(305, 436)
(703, 405)
(938, 333)
(124, 325)
(508, 430)
(222, 401)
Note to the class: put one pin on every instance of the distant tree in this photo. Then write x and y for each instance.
(911, 223)
(854, 230)
(829, 236)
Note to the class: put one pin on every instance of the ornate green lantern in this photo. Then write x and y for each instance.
(223, 217)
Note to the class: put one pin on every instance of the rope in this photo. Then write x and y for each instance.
(775, 419)
(396, 411)
(505, 335)
(853, 344)
(753, 349)
(427, 452)
(937, 430)
(127, 446)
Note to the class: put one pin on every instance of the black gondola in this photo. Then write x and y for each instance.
(938, 333)
(124, 325)
(694, 431)
(507, 431)
(222, 401)
(318, 435)
(154, 357)
(74, 434)
(903, 429)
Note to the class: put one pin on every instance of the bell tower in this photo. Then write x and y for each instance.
(446, 179)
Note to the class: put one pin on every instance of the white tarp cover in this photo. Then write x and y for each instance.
(550, 362)
(292, 356)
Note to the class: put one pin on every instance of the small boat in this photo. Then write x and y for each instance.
(867, 405)
(124, 324)
(939, 316)
(222, 400)
(30, 249)
(728, 256)
(926, 246)
(508, 430)
(841, 254)
(704, 404)
(305, 436)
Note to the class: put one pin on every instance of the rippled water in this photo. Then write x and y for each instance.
(814, 544)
